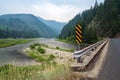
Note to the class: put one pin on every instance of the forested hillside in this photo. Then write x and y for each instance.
(56, 26)
(23, 26)
(101, 20)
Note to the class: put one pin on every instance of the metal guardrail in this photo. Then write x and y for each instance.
(87, 50)
(86, 55)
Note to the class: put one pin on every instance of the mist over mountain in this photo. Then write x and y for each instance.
(24, 26)
(56, 26)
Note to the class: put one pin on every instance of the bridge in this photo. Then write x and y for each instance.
(109, 69)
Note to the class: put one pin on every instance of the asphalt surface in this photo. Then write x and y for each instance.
(16, 56)
(111, 66)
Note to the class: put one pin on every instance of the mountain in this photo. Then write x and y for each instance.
(69, 28)
(100, 21)
(24, 26)
(56, 26)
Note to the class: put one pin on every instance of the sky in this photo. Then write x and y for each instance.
(59, 10)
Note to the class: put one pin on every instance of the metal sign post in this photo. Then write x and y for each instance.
(78, 35)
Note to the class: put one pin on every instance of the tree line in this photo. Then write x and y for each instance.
(6, 33)
(101, 20)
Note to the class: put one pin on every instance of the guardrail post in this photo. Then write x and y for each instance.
(79, 59)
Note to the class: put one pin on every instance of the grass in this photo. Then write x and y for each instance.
(48, 70)
(40, 57)
(64, 40)
(35, 45)
(69, 42)
(61, 49)
(44, 45)
(11, 42)
(67, 50)
(41, 50)
(37, 72)
(38, 52)
(40, 72)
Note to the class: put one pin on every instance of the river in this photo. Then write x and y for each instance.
(16, 56)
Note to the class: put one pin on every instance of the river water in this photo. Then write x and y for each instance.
(16, 56)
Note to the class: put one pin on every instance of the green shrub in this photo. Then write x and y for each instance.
(57, 47)
(32, 46)
(41, 59)
(51, 57)
(41, 50)
(71, 50)
(44, 45)
(33, 55)
(71, 39)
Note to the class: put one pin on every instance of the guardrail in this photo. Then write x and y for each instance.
(78, 54)
(85, 56)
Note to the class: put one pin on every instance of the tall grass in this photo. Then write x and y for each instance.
(39, 72)
(48, 70)
(11, 42)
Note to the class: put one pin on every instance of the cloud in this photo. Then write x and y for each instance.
(56, 12)
(59, 10)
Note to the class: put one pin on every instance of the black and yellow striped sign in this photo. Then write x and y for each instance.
(78, 34)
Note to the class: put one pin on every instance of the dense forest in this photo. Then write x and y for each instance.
(24, 26)
(100, 21)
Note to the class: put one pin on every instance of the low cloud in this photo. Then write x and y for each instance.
(59, 10)
(61, 13)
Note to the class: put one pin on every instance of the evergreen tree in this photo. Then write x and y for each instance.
(104, 17)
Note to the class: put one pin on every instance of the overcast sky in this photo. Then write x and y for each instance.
(59, 10)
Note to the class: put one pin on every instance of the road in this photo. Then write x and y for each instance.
(15, 54)
(111, 67)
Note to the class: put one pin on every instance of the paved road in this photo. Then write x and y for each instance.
(111, 66)
(15, 54)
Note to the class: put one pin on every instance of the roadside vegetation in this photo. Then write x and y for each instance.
(67, 50)
(71, 40)
(38, 52)
(36, 45)
(38, 72)
(99, 21)
(48, 69)
(11, 42)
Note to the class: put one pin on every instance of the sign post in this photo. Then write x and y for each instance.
(78, 35)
